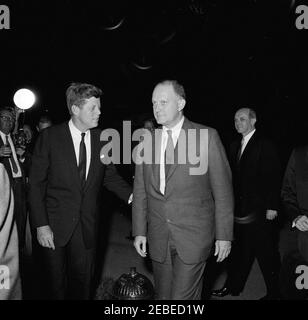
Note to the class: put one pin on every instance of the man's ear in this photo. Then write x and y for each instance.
(75, 109)
(181, 104)
(253, 121)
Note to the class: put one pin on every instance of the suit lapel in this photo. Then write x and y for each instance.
(69, 154)
(248, 147)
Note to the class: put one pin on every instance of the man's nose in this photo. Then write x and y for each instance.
(157, 107)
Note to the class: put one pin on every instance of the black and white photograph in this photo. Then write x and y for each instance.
(154, 151)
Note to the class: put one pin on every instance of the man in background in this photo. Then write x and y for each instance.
(256, 182)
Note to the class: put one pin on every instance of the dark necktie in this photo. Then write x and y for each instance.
(12, 160)
(169, 154)
(82, 167)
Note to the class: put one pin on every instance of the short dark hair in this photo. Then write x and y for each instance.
(77, 93)
(45, 119)
(177, 87)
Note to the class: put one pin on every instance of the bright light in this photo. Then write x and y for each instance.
(24, 99)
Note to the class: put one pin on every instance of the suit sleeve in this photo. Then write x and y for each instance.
(115, 183)
(271, 173)
(139, 209)
(38, 181)
(221, 185)
(288, 191)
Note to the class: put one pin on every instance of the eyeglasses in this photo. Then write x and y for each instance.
(7, 118)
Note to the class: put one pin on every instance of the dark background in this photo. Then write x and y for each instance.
(228, 54)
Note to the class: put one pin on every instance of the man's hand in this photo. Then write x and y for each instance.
(140, 245)
(301, 223)
(222, 249)
(5, 151)
(45, 237)
(271, 214)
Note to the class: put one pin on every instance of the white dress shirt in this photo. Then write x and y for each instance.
(3, 137)
(76, 136)
(176, 130)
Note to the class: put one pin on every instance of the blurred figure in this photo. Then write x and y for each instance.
(295, 201)
(149, 124)
(10, 285)
(12, 157)
(43, 123)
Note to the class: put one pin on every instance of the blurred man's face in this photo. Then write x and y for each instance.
(149, 125)
(86, 116)
(6, 121)
(243, 123)
(167, 105)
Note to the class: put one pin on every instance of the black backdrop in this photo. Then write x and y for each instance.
(228, 54)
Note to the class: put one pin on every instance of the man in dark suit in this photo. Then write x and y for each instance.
(65, 179)
(12, 158)
(180, 209)
(295, 197)
(256, 183)
(295, 201)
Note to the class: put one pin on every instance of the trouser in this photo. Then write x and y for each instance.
(20, 212)
(69, 269)
(176, 280)
(253, 240)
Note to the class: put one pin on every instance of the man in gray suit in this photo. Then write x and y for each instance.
(179, 208)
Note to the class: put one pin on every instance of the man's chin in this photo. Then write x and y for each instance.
(160, 121)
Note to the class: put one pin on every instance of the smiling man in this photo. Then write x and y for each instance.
(65, 178)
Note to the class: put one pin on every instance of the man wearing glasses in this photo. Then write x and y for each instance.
(11, 157)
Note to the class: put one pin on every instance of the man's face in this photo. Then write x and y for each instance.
(43, 125)
(87, 115)
(243, 123)
(149, 125)
(167, 105)
(6, 121)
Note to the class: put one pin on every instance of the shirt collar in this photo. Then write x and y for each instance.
(75, 131)
(3, 135)
(249, 135)
(176, 128)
